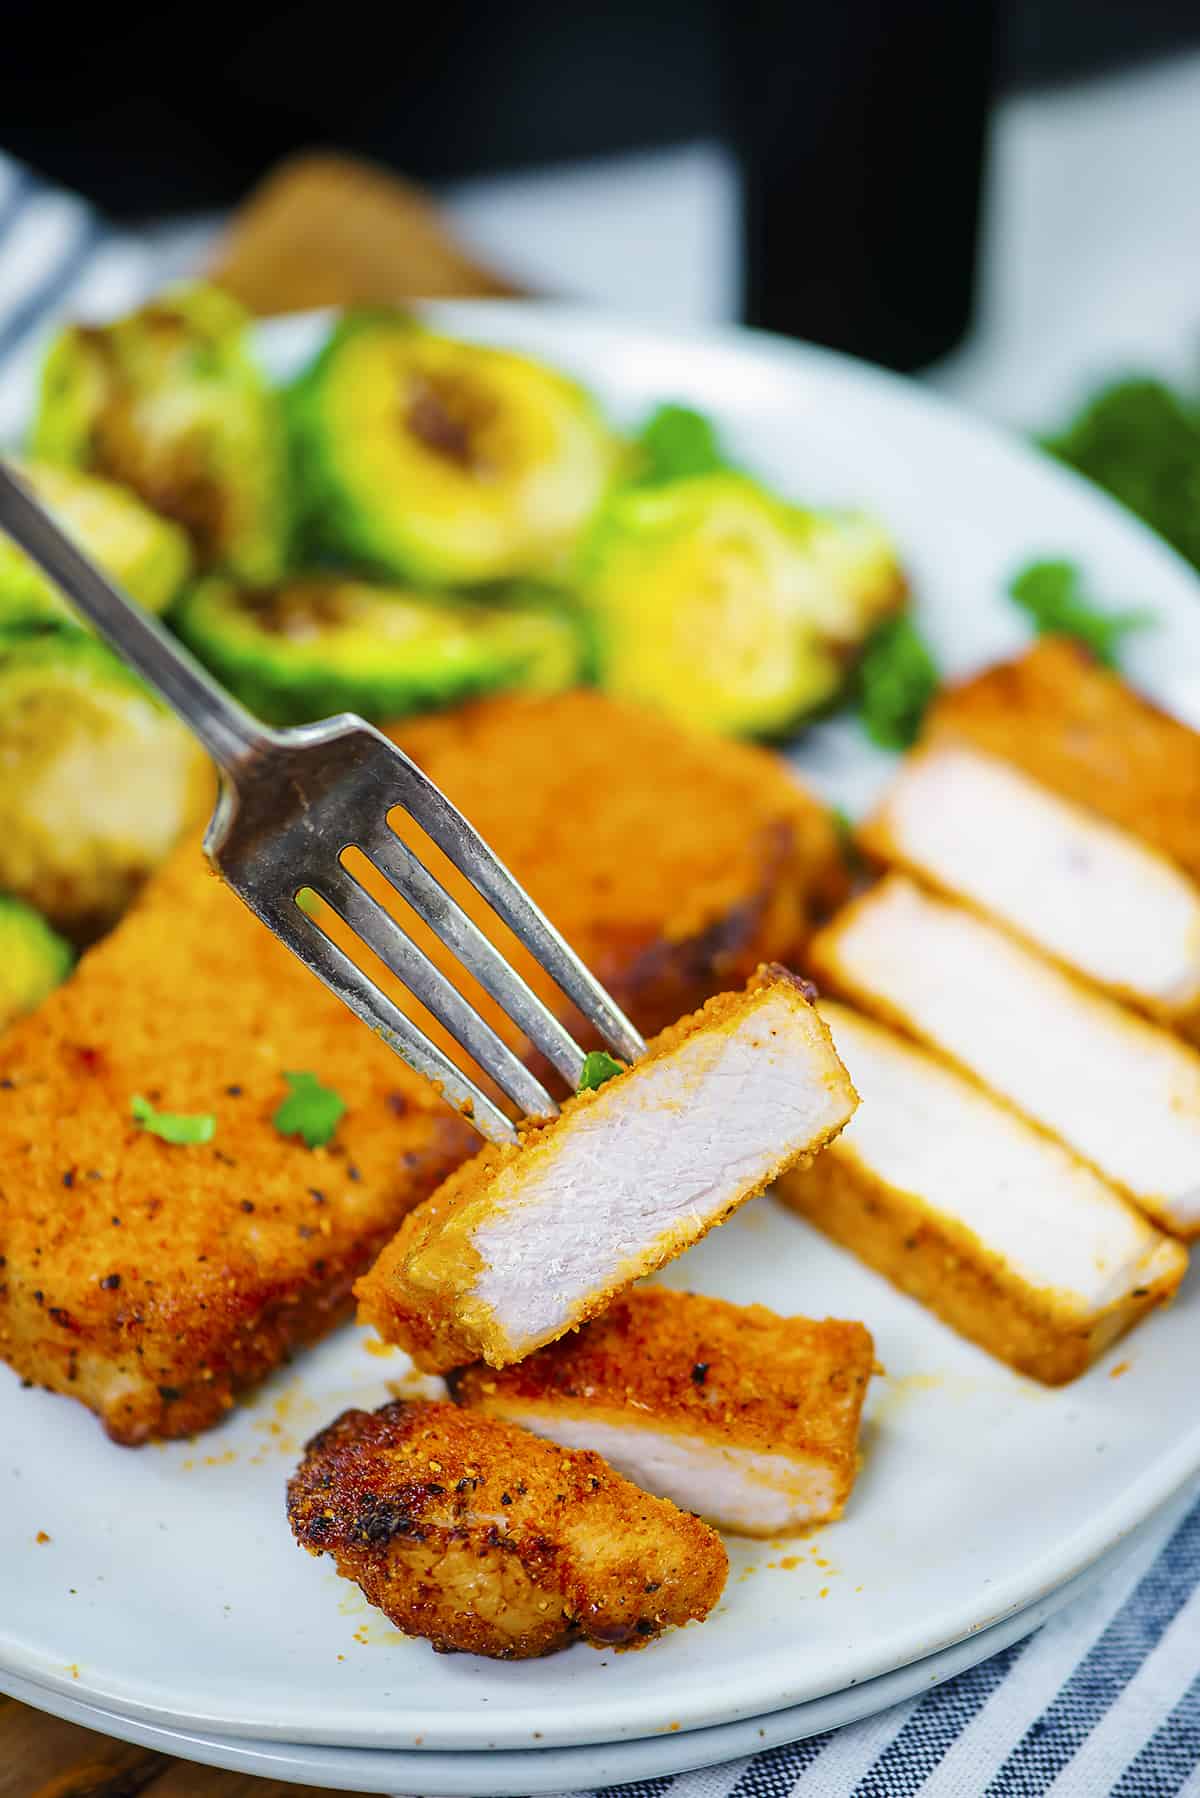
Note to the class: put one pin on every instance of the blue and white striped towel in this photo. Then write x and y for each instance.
(1105, 1697)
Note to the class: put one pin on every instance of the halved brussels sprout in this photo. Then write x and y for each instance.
(728, 608)
(329, 643)
(442, 462)
(146, 555)
(168, 401)
(33, 959)
(97, 779)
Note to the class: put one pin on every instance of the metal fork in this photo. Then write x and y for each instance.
(293, 801)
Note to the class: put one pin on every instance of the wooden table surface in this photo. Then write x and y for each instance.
(323, 230)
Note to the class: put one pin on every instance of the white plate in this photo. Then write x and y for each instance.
(443, 1774)
(171, 1589)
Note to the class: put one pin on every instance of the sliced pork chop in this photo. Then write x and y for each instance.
(1119, 1091)
(1080, 889)
(747, 1418)
(526, 1241)
(1079, 728)
(1002, 1232)
(487, 1540)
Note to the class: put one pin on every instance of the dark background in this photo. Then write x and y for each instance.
(859, 125)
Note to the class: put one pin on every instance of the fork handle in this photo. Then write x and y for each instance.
(227, 730)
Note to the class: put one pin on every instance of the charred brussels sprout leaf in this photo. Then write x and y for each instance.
(729, 609)
(146, 555)
(322, 644)
(99, 778)
(169, 402)
(33, 959)
(440, 462)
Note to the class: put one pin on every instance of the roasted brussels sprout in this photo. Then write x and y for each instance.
(441, 462)
(728, 608)
(329, 643)
(146, 555)
(169, 401)
(97, 779)
(33, 959)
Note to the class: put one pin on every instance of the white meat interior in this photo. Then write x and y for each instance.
(931, 1133)
(736, 1489)
(657, 1155)
(1083, 890)
(1120, 1091)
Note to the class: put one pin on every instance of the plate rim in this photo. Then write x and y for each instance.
(552, 1771)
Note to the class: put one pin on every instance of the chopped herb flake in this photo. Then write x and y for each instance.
(310, 1110)
(174, 1126)
(597, 1068)
(1052, 594)
(676, 443)
(897, 678)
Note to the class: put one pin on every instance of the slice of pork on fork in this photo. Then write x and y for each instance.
(293, 802)
(525, 1242)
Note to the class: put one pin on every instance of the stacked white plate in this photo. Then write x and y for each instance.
(171, 1605)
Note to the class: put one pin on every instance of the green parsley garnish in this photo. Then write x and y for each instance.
(174, 1126)
(310, 1110)
(597, 1068)
(1141, 441)
(676, 443)
(897, 678)
(1051, 593)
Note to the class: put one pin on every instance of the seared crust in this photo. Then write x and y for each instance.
(487, 1540)
(432, 1315)
(1079, 729)
(154, 1282)
(673, 863)
(731, 1375)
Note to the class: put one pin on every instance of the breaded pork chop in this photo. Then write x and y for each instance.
(674, 863)
(1090, 895)
(1120, 1092)
(530, 1239)
(153, 1281)
(487, 1540)
(1000, 1230)
(1079, 729)
(747, 1418)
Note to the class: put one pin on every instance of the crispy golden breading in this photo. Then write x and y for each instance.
(487, 1540)
(528, 1240)
(154, 1281)
(747, 1418)
(999, 1230)
(1079, 729)
(673, 863)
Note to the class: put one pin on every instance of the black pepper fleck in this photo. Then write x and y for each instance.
(247, 1204)
(700, 1373)
(110, 1282)
(68, 1178)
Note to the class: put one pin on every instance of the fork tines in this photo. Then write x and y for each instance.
(372, 923)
